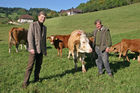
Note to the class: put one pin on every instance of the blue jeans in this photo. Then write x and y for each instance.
(102, 60)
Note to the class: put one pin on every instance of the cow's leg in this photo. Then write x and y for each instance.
(120, 55)
(58, 51)
(127, 56)
(21, 45)
(136, 54)
(10, 47)
(16, 47)
(83, 67)
(69, 54)
(75, 59)
(83, 64)
(25, 46)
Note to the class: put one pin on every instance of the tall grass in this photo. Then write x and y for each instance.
(58, 74)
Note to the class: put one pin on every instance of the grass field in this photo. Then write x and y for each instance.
(58, 74)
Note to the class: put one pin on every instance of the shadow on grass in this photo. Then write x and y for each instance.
(49, 47)
(89, 64)
(72, 71)
(130, 56)
(118, 65)
(90, 61)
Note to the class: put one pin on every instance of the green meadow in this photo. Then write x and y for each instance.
(58, 74)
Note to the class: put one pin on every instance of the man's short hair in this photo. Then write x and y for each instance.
(97, 21)
(41, 13)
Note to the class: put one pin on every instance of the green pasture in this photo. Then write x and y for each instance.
(58, 74)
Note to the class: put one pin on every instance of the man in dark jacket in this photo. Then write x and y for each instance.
(102, 43)
(37, 47)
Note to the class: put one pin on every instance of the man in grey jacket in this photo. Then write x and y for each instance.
(37, 47)
(102, 43)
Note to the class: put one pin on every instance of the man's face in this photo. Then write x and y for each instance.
(41, 18)
(98, 25)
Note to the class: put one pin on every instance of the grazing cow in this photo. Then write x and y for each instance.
(130, 44)
(17, 36)
(60, 42)
(78, 45)
(116, 49)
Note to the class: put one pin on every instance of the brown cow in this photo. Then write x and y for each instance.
(59, 42)
(17, 36)
(78, 45)
(132, 45)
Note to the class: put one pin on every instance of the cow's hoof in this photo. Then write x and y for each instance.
(84, 71)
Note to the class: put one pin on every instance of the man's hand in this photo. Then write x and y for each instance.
(107, 49)
(32, 51)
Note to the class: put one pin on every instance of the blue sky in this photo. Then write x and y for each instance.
(56, 5)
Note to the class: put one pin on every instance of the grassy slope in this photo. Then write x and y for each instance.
(58, 75)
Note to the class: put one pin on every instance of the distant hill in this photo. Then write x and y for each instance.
(119, 20)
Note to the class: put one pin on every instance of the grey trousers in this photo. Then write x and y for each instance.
(33, 59)
(102, 60)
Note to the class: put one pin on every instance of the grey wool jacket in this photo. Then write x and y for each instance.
(36, 39)
(105, 38)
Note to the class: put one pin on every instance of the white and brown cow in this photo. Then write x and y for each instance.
(17, 36)
(78, 45)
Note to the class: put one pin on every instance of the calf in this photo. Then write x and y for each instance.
(78, 45)
(17, 36)
(59, 42)
(132, 45)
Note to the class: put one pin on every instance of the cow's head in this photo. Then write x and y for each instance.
(112, 49)
(51, 38)
(84, 46)
(115, 48)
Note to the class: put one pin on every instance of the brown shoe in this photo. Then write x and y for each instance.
(111, 75)
(99, 74)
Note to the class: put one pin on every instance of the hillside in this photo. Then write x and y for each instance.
(120, 20)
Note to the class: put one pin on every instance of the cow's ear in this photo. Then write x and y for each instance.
(48, 37)
(76, 42)
(78, 34)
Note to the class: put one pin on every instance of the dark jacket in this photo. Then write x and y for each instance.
(105, 38)
(36, 39)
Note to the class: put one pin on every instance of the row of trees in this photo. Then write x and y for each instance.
(14, 13)
(96, 5)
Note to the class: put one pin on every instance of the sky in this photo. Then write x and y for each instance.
(56, 5)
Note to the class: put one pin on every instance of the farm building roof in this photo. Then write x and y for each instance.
(26, 17)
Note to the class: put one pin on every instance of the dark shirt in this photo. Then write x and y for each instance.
(41, 26)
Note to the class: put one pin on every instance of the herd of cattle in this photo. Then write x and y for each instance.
(78, 44)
